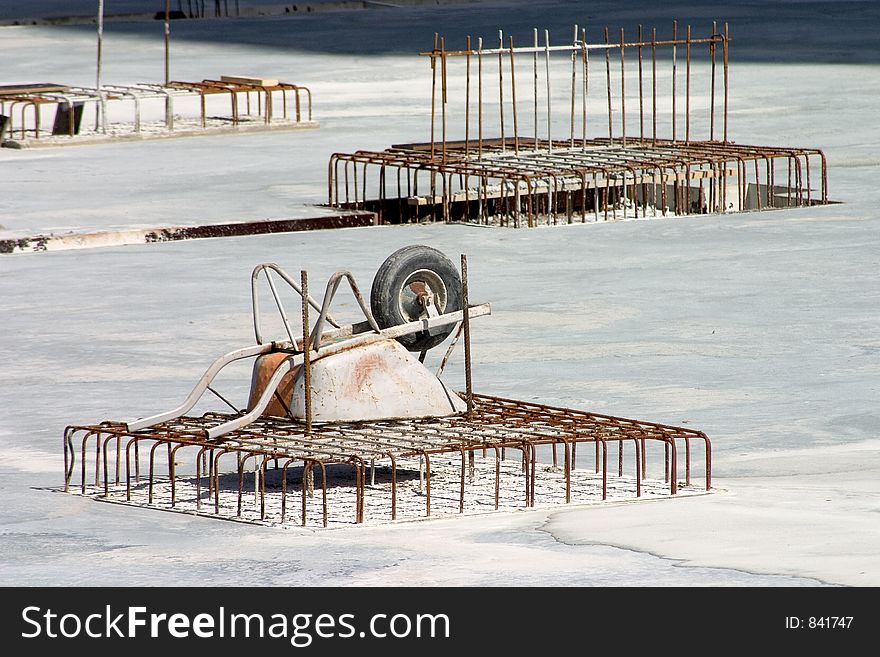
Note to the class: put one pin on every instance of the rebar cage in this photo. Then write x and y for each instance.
(277, 456)
(612, 164)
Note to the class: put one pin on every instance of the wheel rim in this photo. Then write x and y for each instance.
(420, 281)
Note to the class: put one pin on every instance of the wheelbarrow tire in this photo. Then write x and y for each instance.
(394, 301)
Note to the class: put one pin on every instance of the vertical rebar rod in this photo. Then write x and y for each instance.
(480, 96)
(535, 83)
(622, 92)
(585, 75)
(442, 96)
(501, 86)
(467, 105)
(608, 83)
(654, 83)
(513, 102)
(466, 332)
(641, 97)
(573, 83)
(102, 105)
(433, 91)
(674, 64)
(712, 88)
(167, 42)
(687, 89)
(307, 348)
(547, 75)
(726, 77)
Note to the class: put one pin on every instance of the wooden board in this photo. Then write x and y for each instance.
(248, 79)
(22, 89)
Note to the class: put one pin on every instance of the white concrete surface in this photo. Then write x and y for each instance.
(759, 329)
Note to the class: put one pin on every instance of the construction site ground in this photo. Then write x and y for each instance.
(757, 328)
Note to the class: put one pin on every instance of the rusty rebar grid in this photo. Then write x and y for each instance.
(594, 180)
(523, 179)
(497, 424)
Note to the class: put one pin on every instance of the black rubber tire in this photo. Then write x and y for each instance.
(396, 272)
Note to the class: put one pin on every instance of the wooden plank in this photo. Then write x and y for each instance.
(250, 80)
(42, 87)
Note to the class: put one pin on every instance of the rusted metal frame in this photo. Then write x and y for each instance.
(555, 411)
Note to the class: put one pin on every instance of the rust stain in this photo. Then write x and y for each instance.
(264, 367)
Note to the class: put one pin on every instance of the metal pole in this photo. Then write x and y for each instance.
(102, 105)
(169, 107)
(466, 326)
(307, 350)
(167, 42)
